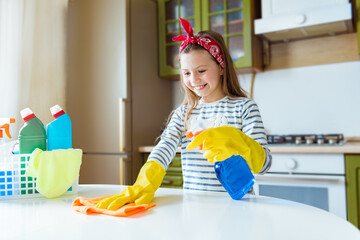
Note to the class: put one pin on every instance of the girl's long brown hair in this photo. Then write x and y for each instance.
(229, 81)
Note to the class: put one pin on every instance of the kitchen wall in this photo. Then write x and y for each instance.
(313, 99)
(32, 58)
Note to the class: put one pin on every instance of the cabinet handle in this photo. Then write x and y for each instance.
(327, 179)
(122, 137)
(167, 182)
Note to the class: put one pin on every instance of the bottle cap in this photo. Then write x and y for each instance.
(56, 111)
(27, 114)
(1, 133)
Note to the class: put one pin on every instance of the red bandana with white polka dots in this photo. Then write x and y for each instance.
(211, 46)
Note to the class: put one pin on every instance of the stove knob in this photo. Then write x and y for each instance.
(291, 164)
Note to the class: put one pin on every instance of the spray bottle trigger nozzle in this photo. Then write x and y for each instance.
(6, 127)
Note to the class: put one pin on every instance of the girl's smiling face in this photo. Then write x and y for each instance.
(202, 75)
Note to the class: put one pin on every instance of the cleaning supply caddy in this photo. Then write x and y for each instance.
(15, 181)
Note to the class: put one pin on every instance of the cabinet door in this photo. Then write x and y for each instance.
(169, 27)
(352, 169)
(173, 177)
(233, 19)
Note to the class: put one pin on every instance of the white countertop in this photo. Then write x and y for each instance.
(347, 148)
(178, 215)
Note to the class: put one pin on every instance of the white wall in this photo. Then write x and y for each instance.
(314, 99)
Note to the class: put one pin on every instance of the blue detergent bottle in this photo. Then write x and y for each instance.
(59, 131)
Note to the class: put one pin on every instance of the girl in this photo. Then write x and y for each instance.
(213, 101)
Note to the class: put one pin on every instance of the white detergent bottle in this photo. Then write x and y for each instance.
(59, 131)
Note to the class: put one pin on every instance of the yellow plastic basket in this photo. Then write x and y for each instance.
(14, 183)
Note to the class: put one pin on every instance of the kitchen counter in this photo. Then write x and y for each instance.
(178, 215)
(347, 148)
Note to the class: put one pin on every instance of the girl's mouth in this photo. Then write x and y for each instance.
(200, 87)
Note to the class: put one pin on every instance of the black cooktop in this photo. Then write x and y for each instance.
(307, 139)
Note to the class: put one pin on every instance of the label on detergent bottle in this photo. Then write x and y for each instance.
(32, 135)
(59, 131)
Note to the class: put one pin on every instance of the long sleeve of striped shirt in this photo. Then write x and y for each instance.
(165, 150)
(253, 126)
(198, 173)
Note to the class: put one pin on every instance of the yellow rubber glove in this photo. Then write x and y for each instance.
(222, 142)
(143, 190)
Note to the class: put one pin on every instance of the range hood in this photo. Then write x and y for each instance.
(284, 20)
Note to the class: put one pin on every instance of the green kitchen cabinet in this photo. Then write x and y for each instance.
(358, 23)
(233, 19)
(173, 177)
(169, 26)
(352, 170)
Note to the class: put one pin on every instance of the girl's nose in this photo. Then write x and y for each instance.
(194, 78)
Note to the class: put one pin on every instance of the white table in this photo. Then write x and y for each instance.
(177, 215)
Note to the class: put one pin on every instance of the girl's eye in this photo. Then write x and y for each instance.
(186, 74)
(202, 71)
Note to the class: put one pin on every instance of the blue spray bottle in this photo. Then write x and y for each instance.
(59, 132)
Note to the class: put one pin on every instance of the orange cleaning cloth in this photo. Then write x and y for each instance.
(88, 206)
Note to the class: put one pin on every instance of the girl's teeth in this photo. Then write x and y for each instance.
(200, 87)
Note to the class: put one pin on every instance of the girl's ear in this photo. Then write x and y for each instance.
(221, 70)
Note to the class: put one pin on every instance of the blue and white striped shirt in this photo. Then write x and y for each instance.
(198, 173)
